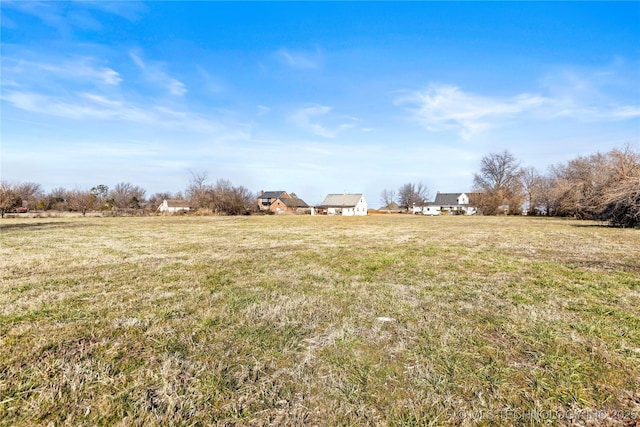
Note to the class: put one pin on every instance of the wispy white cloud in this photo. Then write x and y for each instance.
(129, 10)
(446, 107)
(137, 60)
(10, 83)
(304, 118)
(86, 88)
(299, 59)
(50, 13)
(587, 85)
(263, 110)
(91, 106)
(212, 84)
(317, 120)
(176, 87)
(101, 100)
(83, 68)
(625, 112)
(83, 106)
(154, 73)
(442, 107)
(82, 15)
(609, 92)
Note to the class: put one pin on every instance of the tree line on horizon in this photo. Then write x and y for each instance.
(602, 186)
(221, 198)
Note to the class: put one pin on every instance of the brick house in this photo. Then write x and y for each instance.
(280, 202)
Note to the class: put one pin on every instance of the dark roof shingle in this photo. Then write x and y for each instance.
(294, 203)
(446, 199)
(271, 194)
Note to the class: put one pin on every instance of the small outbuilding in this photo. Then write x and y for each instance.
(392, 207)
(174, 205)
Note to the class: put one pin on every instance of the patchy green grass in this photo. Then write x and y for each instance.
(383, 320)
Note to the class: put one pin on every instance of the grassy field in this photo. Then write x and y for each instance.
(382, 320)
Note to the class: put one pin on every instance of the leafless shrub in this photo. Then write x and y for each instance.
(600, 186)
(620, 203)
(8, 197)
(81, 200)
(222, 198)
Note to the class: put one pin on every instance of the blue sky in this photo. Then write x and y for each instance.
(312, 98)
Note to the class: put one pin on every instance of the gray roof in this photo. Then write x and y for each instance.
(451, 199)
(393, 206)
(294, 203)
(271, 194)
(175, 203)
(446, 199)
(341, 200)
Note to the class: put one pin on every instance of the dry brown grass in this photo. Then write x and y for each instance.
(385, 320)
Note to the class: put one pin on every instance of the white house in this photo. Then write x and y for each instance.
(171, 206)
(344, 204)
(451, 203)
(429, 210)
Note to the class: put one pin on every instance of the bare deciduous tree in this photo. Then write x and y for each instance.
(30, 194)
(412, 194)
(546, 199)
(499, 183)
(81, 200)
(56, 199)
(197, 189)
(127, 196)
(8, 197)
(531, 181)
(387, 197)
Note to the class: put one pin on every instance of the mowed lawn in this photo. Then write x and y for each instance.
(298, 320)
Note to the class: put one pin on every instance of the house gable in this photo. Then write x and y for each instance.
(174, 205)
(344, 204)
(283, 205)
(294, 203)
(452, 202)
(267, 198)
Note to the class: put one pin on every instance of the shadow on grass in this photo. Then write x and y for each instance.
(593, 224)
(42, 226)
(604, 224)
